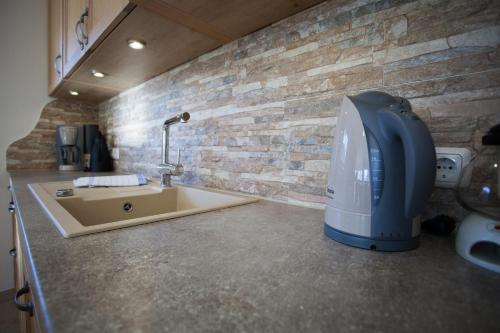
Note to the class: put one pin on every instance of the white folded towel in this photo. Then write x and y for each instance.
(110, 181)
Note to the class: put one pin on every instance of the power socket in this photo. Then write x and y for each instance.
(450, 163)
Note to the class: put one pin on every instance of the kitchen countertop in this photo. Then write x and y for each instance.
(262, 267)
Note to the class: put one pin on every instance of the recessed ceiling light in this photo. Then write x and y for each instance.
(74, 92)
(136, 44)
(97, 73)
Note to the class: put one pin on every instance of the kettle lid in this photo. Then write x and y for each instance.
(376, 97)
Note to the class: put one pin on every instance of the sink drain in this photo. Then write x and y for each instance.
(127, 207)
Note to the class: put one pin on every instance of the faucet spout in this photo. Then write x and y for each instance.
(165, 168)
(182, 117)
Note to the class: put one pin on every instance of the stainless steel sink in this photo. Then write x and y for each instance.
(91, 210)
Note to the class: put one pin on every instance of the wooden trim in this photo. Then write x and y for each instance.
(93, 85)
(185, 19)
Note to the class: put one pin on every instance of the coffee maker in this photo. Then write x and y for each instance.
(69, 140)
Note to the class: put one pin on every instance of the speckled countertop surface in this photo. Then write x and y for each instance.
(262, 267)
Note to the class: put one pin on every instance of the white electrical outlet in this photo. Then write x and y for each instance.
(115, 153)
(450, 163)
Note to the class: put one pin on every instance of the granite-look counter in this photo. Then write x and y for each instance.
(262, 267)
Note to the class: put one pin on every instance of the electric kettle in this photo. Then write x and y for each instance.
(381, 174)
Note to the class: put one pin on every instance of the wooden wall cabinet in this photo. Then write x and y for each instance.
(84, 22)
(75, 28)
(75, 40)
(55, 43)
(94, 35)
(101, 17)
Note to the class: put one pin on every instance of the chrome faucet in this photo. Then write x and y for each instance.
(165, 168)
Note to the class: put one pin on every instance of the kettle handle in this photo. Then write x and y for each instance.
(420, 158)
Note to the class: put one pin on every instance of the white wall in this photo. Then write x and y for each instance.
(23, 94)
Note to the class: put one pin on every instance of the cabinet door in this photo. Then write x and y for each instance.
(27, 323)
(24, 317)
(74, 42)
(18, 262)
(101, 16)
(55, 43)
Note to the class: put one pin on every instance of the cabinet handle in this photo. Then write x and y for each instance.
(26, 307)
(13, 252)
(57, 62)
(79, 30)
(84, 27)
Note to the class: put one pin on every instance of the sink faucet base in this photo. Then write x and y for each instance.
(165, 180)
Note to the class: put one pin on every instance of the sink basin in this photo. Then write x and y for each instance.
(91, 210)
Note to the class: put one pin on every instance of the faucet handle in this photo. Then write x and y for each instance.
(178, 156)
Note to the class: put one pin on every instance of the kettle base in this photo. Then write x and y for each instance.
(370, 243)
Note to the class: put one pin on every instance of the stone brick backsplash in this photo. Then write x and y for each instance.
(264, 108)
(37, 150)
